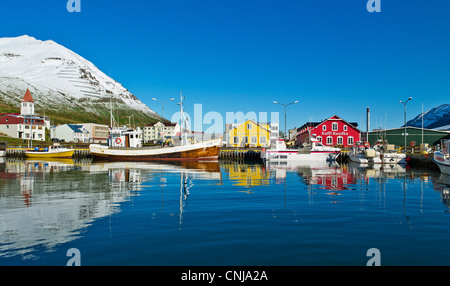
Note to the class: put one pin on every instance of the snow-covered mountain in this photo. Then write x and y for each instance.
(435, 118)
(60, 80)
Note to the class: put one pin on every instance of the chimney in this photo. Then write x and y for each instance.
(368, 124)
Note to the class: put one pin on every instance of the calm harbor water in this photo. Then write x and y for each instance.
(221, 214)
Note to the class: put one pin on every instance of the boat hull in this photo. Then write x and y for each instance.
(2, 153)
(204, 151)
(394, 158)
(442, 162)
(43, 155)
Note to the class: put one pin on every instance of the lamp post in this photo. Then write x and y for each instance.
(404, 116)
(163, 104)
(162, 114)
(285, 106)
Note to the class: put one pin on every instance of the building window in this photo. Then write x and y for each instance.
(334, 126)
(350, 140)
(245, 139)
(340, 140)
(345, 127)
(262, 140)
(254, 140)
(236, 140)
(324, 128)
(249, 126)
(319, 138)
(329, 140)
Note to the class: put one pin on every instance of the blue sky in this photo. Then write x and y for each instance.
(334, 57)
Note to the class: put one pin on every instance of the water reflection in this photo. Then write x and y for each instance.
(44, 204)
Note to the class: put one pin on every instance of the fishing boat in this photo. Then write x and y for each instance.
(55, 151)
(3, 148)
(363, 154)
(378, 154)
(442, 158)
(313, 151)
(125, 144)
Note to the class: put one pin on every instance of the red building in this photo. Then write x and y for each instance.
(333, 131)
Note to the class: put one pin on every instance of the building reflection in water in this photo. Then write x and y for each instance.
(46, 203)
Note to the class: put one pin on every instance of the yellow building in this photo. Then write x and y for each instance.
(246, 175)
(250, 134)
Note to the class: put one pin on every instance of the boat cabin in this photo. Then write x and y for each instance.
(446, 148)
(124, 137)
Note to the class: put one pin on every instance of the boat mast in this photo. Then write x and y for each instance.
(182, 122)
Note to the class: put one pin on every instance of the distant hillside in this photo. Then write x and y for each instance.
(437, 117)
(64, 85)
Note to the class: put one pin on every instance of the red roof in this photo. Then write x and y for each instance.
(27, 97)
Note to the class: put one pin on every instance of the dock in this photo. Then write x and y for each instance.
(240, 153)
(422, 159)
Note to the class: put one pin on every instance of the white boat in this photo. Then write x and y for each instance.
(314, 151)
(442, 157)
(126, 145)
(3, 148)
(203, 151)
(393, 158)
(388, 155)
(363, 154)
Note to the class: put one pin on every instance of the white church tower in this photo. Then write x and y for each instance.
(27, 104)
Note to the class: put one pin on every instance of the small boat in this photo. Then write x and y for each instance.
(393, 158)
(3, 148)
(54, 151)
(313, 151)
(363, 154)
(442, 158)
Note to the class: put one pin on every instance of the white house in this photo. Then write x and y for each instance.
(26, 124)
(70, 133)
(158, 131)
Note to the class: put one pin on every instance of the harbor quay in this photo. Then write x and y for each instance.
(415, 156)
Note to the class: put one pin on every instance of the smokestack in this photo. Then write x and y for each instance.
(368, 124)
(368, 120)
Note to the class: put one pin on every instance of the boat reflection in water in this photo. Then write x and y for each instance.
(443, 186)
(151, 212)
(47, 203)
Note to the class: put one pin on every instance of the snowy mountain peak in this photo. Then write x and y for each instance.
(435, 118)
(57, 74)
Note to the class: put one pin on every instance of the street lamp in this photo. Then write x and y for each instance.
(404, 115)
(163, 104)
(285, 105)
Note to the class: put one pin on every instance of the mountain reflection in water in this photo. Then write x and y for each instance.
(45, 204)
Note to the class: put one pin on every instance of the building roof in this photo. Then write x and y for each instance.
(334, 117)
(258, 124)
(76, 128)
(401, 129)
(12, 114)
(27, 97)
(165, 124)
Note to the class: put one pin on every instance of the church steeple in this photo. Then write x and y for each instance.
(27, 104)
